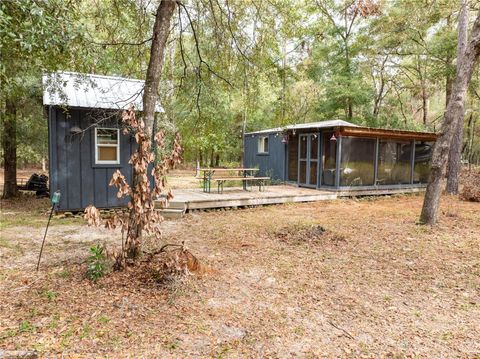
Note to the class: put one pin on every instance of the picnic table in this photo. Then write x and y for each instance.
(225, 174)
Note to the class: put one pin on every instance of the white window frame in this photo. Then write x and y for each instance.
(117, 145)
(261, 145)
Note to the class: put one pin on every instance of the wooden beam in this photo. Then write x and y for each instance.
(384, 133)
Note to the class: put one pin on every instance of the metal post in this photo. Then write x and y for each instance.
(44, 236)
(55, 201)
(338, 164)
(412, 161)
(298, 161)
(320, 158)
(244, 181)
(375, 165)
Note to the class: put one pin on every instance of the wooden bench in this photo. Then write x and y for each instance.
(260, 181)
(230, 174)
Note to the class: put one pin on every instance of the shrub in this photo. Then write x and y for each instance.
(471, 186)
(97, 263)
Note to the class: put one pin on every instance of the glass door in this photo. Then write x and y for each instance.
(308, 160)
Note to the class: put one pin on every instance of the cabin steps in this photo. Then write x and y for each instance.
(171, 213)
(175, 209)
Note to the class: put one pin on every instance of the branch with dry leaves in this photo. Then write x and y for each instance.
(141, 215)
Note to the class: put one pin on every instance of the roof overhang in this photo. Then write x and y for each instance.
(77, 90)
(385, 133)
(344, 128)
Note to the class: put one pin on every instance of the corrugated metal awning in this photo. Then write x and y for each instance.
(310, 125)
(92, 91)
(345, 128)
(321, 124)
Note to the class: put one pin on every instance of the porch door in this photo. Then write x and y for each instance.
(308, 160)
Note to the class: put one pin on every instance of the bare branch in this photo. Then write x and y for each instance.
(122, 43)
(197, 47)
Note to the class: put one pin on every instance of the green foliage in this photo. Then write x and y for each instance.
(26, 327)
(250, 65)
(50, 295)
(35, 36)
(97, 263)
(45, 36)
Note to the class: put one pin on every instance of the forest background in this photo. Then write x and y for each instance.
(237, 66)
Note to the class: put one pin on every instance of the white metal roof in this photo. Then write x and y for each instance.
(92, 91)
(321, 124)
(276, 129)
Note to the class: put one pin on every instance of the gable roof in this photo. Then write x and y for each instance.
(92, 91)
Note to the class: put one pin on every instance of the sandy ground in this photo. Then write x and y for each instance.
(376, 284)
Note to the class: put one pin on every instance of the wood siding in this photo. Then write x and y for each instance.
(292, 158)
(271, 164)
(72, 161)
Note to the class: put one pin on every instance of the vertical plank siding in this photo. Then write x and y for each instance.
(271, 164)
(72, 161)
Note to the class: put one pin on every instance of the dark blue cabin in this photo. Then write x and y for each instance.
(338, 155)
(266, 150)
(85, 139)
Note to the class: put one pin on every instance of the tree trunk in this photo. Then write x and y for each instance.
(424, 104)
(10, 149)
(217, 160)
(244, 112)
(378, 99)
(455, 154)
(469, 138)
(448, 89)
(211, 159)
(161, 30)
(455, 109)
(449, 79)
(349, 109)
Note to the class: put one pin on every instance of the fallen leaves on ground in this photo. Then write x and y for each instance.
(391, 289)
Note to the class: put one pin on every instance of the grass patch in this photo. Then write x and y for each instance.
(27, 210)
(50, 295)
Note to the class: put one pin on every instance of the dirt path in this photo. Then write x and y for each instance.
(376, 285)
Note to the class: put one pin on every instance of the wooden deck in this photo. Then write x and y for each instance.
(191, 199)
(233, 197)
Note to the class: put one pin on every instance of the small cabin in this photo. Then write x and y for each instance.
(86, 143)
(338, 155)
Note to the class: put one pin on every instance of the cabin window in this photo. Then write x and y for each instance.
(263, 144)
(107, 146)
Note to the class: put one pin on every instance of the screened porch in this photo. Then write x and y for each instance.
(358, 158)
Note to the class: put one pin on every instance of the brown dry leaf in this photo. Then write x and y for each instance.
(92, 215)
